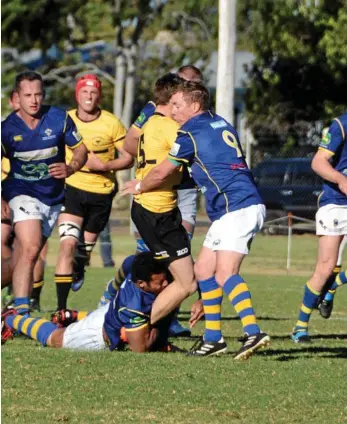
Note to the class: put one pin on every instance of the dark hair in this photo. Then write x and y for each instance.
(165, 87)
(191, 72)
(196, 92)
(27, 76)
(145, 265)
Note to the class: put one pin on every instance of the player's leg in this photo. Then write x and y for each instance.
(38, 329)
(326, 301)
(69, 230)
(106, 247)
(97, 213)
(6, 253)
(28, 226)
(114, 284)
(187, 206)
(328, 247)
(38, 283)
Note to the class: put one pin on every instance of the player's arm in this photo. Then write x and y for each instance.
(321, 162)
(140, 340)
(131, 140)
(124, 161)
(154, 179)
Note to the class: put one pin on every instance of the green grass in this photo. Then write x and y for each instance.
(286, 383)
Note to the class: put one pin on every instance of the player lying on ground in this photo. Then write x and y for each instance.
(130, 310)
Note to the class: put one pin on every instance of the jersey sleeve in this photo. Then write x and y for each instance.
(133, 320)
(119, 133)
(145, 114)
(183, 150)
(333, 138)
(72, 137)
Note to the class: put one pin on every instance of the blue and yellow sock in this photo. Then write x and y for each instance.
(212, 296)
(122, 272)
(340, 280)
(240, 297)
(309, 302)
(141, 246)
(36, 328)
(21, 305)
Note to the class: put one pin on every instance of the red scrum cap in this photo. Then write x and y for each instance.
(89, 80)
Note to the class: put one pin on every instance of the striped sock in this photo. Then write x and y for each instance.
(340, 280)
(123, 271)
(308, 303)
(36, 291)
(21, 305)
(240, 297)
(212, 296)
(63, 284)
(36, 328)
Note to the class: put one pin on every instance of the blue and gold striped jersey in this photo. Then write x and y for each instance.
(130, 308)
(211, 147)
(334, 140)
(31, 151)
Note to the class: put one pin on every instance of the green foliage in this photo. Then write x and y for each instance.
(300, 71)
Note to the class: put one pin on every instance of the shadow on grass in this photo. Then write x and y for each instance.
(185, 315)
(306, 351)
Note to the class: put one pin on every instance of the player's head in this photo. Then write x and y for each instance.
(165, 87)
(191, 99)
(88, 92)
(190, 73)
(148, 273)
(14, 100)
(30, 92)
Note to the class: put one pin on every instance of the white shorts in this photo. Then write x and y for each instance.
(331, 220)
(187, 204)
(25, 207)
(87, 333)
(235, 230)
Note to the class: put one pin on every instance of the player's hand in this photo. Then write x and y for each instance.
(5, 210)
(196, 313)
(130, 187)
(60, 170)
(343, 186)
(94, 163)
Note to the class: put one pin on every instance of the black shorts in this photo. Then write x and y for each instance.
(163, 233)
(94, 208)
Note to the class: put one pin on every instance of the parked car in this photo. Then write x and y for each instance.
(288, 185)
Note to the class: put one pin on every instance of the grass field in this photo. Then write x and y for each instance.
(286, 383)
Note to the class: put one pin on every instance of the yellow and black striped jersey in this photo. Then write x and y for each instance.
(102, 136)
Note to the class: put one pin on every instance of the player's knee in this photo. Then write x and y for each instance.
(69, 231)
(30, 252)
(68, 247)
(56, 338)
(201, 271)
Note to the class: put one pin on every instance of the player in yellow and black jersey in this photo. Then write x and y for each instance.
(90, 191)
(155, 213)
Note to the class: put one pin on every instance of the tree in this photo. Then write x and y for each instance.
(299, 75)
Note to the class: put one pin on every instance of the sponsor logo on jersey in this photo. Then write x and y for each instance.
(175, 149)
(18, 138)
(41, 154)
(77, 135)
(141, 118)
(48, 132)
(219, 124)
(49, 135)
(137, 320)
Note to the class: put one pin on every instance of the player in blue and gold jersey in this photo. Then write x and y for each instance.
(210, 145)
(129, 310)
(330, 162)
(34, 139)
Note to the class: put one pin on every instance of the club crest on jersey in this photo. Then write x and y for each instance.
(49, 134)
(18, 138)
(326, 139)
